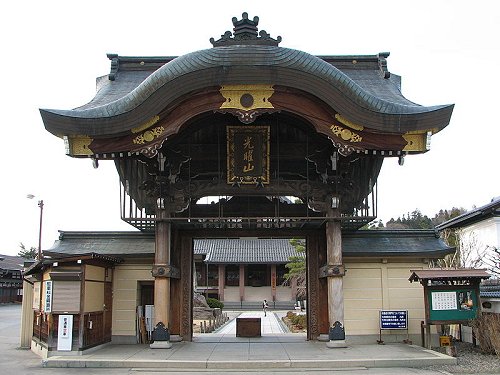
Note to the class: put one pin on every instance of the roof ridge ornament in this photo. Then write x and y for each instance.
(245, 31)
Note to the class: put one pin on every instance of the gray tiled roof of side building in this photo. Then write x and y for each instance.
(245, 250)
(10, 262)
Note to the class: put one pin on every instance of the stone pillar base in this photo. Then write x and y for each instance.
(175, 338)
(336, 344)
(160, 345)
(323, 337)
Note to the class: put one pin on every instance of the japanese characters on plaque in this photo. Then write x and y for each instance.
(444, 300)
(394, 319)
(248, 154)
(48, 297)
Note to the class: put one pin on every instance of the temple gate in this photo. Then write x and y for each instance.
(252, 124)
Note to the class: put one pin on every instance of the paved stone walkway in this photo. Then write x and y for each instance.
(274, 350)
(270, 324)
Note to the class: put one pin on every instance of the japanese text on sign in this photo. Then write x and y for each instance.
(444, 301)
(248, 154)
(393, 319)
(48, 297)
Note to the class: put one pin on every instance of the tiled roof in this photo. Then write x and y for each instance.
(9, 262)
(366, 243)
(490, 294)
(490, 288)
(245, 251)
(105, 243)
(131, 92)
(417, 242)
(473, 216)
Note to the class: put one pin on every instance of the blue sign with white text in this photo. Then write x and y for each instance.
(394, 319)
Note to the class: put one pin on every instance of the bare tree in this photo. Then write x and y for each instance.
(492, 260)
(468, 254)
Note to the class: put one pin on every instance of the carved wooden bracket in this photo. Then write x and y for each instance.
(332, 270)
(165, 270)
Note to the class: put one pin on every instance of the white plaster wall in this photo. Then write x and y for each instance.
(487, 233)
(495, 305)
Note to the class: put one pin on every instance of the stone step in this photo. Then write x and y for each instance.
(252, 305)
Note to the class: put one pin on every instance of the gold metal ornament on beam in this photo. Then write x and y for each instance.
(78, 145)
(348, 123)
(345, 134)
(146, 125)
(417, 142)
(246, 97)
(148, 135)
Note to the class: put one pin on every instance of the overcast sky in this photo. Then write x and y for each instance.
(52, 52)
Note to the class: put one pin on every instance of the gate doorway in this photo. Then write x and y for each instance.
(239, 274)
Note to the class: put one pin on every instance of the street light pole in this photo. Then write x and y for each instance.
(40, 204)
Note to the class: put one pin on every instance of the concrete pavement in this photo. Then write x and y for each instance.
(274, 351)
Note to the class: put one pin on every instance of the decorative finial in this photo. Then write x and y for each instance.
(245, 31)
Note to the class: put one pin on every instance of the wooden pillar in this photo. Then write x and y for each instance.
(335, 272)
(27, 316)
(242, 282)
(273, 282)
(187, 288)
(162, 281)
(222, 280)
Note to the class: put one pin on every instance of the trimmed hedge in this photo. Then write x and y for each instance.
(214, 303)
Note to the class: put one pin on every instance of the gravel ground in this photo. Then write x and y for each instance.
(470, 361)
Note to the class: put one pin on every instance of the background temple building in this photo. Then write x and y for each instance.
(11, 285)
(291, 145)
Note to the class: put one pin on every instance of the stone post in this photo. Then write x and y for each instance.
(222, 280)
(242, 282)
(335, 274)
(161, 334)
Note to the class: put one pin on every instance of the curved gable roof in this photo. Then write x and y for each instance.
(365, 96)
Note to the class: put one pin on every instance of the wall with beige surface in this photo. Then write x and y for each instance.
(94, 289)
(381, 285)
(126, 277)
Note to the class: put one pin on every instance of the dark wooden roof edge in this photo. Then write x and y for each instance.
(449, 274)
(431, 254)
(60, 257)
(393, 233)
(166, 59)
(84, 257)
(473, 216)
(245, 262)
(103, 234)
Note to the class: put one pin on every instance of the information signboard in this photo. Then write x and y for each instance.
(65, 332)
(48, 297)
(394, 319)
(452, 305)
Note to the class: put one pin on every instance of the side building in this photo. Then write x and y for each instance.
(480, 232)
(101, 278)
(11, 280)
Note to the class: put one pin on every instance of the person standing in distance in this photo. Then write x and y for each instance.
(264, 307)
